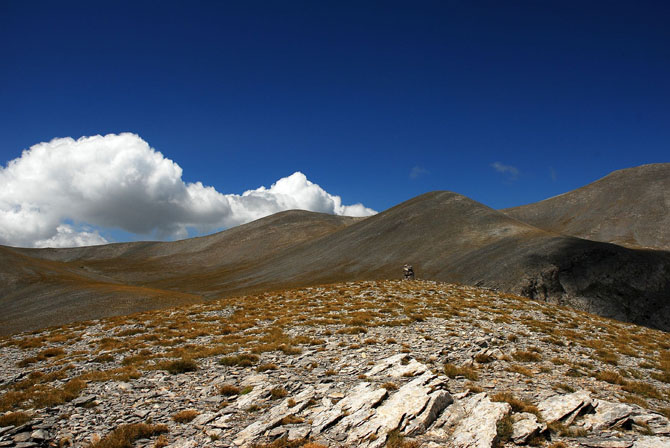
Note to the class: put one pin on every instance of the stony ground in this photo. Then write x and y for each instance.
(402, 364)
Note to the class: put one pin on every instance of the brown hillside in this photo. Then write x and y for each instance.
(628, 207)
(446, 236)
(43, 287)
(449, 237)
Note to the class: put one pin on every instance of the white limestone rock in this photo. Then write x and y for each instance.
(274, 417)
(564, 407)
(525, 426)
(606, 415)
(478, 428)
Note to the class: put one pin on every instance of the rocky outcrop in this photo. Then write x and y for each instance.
(479, 370)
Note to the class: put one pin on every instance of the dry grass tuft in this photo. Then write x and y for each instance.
(241, 360)
(397, 440)
(266, 367)
(278, 392)
(124, 435)
(161, 441)
(526, 356)
(179, 366)
(520, 369)
(642, 388)
(14, 419)
(611, 377)
(291, 420)
(517, 404)
(185, 416)
(228, 390)
(453, 371)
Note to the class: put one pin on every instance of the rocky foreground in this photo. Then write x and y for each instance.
(401, 364)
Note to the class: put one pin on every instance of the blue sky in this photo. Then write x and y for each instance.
(376, 102)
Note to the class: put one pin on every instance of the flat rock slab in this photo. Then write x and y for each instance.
(652, 442)
(598, 442)
(83, 400)
(525, 426)
(257, 393)
(439, 400)
(478, 427)
(407, 403)
(564, 407)
(606, 415)
(201, 420)
(361, 397)
(274, 417)
(656, 423)
(386, 363)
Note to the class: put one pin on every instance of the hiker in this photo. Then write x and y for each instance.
(408, 272)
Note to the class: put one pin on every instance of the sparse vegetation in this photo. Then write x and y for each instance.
(453, 371)
(266, 367)
(278, 392)
(277, 325)
(526, 356)
(180, 366)
(185, 416)
(125, 435)
(397, 440)
(516, 404)
(228, 390)
(14, 419)
(241, 360)
(504, 429)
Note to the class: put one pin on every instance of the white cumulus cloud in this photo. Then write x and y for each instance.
(55, 192)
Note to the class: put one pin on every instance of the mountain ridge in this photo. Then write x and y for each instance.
(446, 236)
(629, 207)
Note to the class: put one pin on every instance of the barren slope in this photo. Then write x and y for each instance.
(43, 287)
(449, 237)
(629, 207)
(446, 236)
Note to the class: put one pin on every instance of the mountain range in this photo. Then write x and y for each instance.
(603, 248)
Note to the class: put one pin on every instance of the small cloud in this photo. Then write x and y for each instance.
(552, 173)
(417, 171)
(511, 171)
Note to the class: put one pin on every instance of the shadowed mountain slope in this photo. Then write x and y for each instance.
(446, 236)
(629, 207)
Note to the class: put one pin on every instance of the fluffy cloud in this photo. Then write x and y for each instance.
(55, 192)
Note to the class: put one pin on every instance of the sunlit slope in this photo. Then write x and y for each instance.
(449, 237)
(444, 235)
(629, 207)
(42, 287)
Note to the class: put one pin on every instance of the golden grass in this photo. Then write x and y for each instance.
(185, 416)
(228, 390)
(517, 404)
(278, 392)
(179, 366)
(14, 419)
(266, 367)
(241, 360)
(610, 377)
(453, 371)
(526, 356)
(349, 314)
(124, 435)
(519, 369)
